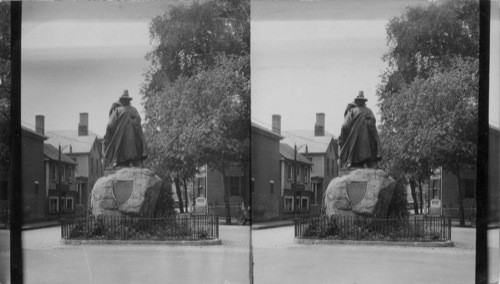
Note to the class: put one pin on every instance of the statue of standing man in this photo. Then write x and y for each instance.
(124, 140)
(359, 141)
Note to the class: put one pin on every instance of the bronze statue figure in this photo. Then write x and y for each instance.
(124, 140)
(359, 141)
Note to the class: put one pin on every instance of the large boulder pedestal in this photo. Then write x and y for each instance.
(125, 192)
(359, 192)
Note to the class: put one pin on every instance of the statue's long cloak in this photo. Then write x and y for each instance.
(360, 141)
(124, 137)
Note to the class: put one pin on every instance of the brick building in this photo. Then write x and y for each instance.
(61, 196)
(34, 204)
(266, 182)
(493, 175)
(444, 186)
(321, 148)
(85, 148)
(295, 172)
(209, 184)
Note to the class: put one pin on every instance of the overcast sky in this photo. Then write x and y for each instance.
(307, 57)
(315, 56)
(79, 57)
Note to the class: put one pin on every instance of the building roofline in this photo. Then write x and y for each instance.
(266, 132)
(298, 161)
(34, 134)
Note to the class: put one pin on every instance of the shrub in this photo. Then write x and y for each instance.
(365, 228)
(397, 207)
(133, 228)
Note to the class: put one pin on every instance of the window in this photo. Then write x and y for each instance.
(63, 173)
(271, 186)
(305, 204)
(297, 202)
(434, 186)
(54, 172)
(289, 171)
(297, 172)
(288, 203)
(306, 174)
(69, 204)
(469, 187)
(234, 186)
(70, 169)
(53, 204)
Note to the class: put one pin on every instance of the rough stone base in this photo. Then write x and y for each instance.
(365, 192)
(125, 192)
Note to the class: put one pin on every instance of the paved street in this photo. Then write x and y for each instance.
(277, 259)
(47, 261)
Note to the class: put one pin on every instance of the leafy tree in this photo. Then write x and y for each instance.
(190, 40)
(5, 84)
(422, 38)
(189, 37)
(165, 202)
(397, 207)
(203, 119)
(437, 123)
(423, 42)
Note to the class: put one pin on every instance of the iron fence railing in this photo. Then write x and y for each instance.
(183, 227)
(429, 228)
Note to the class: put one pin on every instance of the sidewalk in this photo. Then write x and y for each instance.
(272, 224)
(40, 225)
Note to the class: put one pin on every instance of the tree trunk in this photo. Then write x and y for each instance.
(428, 195)
(179, 193)
(414, 196)
(421, 196)
(186, 194)
(461, 212)
(194, 197)
(226, 198)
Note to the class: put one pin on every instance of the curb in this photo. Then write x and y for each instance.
(372, 243)
(270, 226)
(144, 242)
(34, 227)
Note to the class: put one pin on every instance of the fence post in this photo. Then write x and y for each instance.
(295, 222)
(217, 224)
(449, 229)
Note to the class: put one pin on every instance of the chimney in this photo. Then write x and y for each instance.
(277, 124)
(319, 127)
(40, 124)
(83, 126)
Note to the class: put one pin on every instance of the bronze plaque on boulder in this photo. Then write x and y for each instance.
(356, 191)
(122, 190)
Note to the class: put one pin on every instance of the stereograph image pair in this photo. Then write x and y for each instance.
(216, 141)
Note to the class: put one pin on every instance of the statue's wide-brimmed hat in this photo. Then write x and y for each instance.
(361, 96)
(125, 96)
